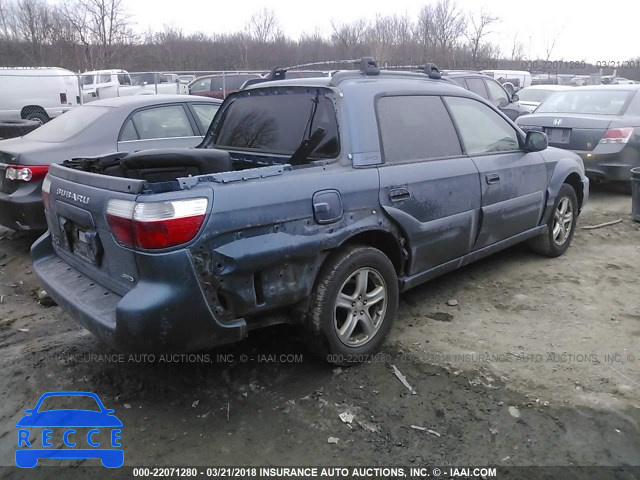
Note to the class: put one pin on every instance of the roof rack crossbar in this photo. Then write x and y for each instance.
(368, 66)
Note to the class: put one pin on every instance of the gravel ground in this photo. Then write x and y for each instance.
(515, 360)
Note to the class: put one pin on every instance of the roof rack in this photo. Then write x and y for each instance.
(276, 73)
(432, 71)
(368, 66)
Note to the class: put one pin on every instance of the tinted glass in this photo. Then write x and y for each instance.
(128, 132)
(268, 123)
(162, 122)
(69, 124)
(476, 85)
(596, 102)
(203, 85)
(482, 130)
(205, 113)
(416, 128)
(497, 93)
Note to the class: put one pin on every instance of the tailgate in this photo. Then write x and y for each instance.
(80, 234)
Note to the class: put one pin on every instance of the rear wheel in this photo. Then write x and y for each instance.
(353, 306)
(560, 227)
(40, 117)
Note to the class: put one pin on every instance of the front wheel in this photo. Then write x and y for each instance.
(560, 227)
(353, 305)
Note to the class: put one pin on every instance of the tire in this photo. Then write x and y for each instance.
(17, 128)
(552, 244)
(40, 117)
(352, 269)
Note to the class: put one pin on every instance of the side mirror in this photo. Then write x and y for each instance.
(515, 97)
(535, 141)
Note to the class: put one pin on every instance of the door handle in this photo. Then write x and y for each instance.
(492, 178)
(399, 194)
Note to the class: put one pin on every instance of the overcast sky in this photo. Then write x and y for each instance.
(585, 30)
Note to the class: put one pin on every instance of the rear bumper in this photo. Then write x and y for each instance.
(23, 209)
(166, 314)
(610, 166)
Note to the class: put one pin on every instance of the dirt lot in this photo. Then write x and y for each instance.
(556, 339)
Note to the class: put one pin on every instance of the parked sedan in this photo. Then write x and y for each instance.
(124, 124)
(600, 123)
(489, 89)
(531, 97)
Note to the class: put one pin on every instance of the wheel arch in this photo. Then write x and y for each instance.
(575, 181)
(27, 109)
(383, 240)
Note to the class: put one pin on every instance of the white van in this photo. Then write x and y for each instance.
(37, 93)
(511, 80)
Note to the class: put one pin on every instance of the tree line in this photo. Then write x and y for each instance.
(92, 34)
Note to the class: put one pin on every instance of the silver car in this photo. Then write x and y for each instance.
(124, 124)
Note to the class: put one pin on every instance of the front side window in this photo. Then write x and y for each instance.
(278, 123)
(416, 128)
(203, 85)
(481, 129)
(86, 80)
(162, 122)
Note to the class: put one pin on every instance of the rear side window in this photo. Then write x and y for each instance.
(481, 129)
(476, 85)
(278, 123)
(416, 128)
(128, 132)
(205, 113)
(162, 122)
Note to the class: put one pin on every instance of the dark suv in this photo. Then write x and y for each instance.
(311, 201)
(489, 89)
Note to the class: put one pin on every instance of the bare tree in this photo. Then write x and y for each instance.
(102, 28)
(449, 24)
(264, 26)
(549, 46)
(516, 49)
(424, 30)
(479, 28)
(350, 35)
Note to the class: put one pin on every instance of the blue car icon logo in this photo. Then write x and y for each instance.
(83, 433)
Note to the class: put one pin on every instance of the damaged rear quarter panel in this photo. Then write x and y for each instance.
(262, 247)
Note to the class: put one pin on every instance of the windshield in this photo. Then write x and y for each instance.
(67, 125)
(279, 123)
(63, 402)
(534, 94)
(86, 80)
(595, 102)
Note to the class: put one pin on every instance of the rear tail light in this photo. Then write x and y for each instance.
(617, 135)
(46, 188)
(20, 173)
(155, 225)
(63, 98)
